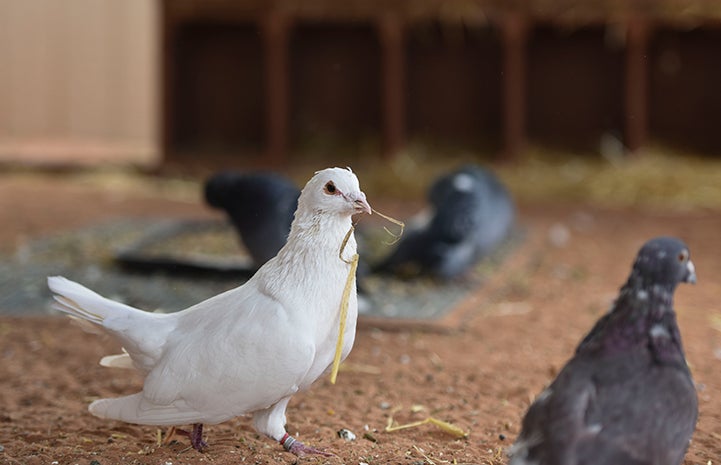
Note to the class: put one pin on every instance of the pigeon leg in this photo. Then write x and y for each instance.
(169, 435)
(296, 447)
(196, 437)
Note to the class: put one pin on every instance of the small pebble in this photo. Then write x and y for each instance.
(346, 434)
(717, 353)
(559, 235)
(502, 437)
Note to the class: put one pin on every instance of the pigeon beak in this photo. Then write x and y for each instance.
(360, 204)
(690, 273)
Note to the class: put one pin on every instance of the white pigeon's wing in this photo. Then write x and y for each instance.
(239, 352)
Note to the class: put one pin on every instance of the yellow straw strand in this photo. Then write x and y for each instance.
(443, 425)
(353, 262)
(396, 237)
(390, 428)
(448, 428)
(344, 243)
(343, 316)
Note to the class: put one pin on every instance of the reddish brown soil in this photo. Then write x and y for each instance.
(478, 369)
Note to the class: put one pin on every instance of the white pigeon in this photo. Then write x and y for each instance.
(249, 349)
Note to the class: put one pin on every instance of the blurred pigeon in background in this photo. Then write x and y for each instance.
(260, 206)
(626, 397)
(471, 214)
(247, 350)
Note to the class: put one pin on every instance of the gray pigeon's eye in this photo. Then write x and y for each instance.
(330, 188)
(683, 256)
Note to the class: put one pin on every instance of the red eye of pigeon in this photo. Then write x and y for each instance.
(330, 188)
(682, 256)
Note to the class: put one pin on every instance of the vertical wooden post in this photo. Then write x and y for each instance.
(167, 80)
(514, 28)
(275, 28)
(391, 33)
(636, 84)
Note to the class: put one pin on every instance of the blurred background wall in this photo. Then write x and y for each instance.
(79, 80)
(271, 82)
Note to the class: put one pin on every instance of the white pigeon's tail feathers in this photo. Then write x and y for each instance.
(142, 334)
(80, 302)
(135, 409)
(120, 408)
(118, 361)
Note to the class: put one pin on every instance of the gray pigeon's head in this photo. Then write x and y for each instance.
(664, 261)
(334, 190)
(464, 181)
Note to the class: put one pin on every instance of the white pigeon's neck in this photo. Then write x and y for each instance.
(315, 241)
(319, 231)
(310, 258)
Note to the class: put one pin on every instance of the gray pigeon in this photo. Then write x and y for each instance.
(260, 206)
(471, 214)
(626, 397)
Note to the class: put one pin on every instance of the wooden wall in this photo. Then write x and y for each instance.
(145, 81)
(78, 79)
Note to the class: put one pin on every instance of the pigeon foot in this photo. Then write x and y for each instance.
(296, 447)
(195, 436)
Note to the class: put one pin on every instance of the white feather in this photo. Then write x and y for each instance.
(118, 361)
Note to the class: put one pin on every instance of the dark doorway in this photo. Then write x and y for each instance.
(454, 85)
(685, 88)
(575, 87)
(335, 86)
(216, 88)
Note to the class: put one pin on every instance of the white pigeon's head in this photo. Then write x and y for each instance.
(334, 190)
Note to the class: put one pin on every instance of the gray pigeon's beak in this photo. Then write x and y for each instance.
(690, 273)
(359, 202)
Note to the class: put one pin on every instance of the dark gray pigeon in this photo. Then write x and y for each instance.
(471, 214)
(626, 397)
(260, 206)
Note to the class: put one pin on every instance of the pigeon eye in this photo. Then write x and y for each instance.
(330, 188)
(683, 256)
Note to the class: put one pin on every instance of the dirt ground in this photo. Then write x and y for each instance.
(478, 369)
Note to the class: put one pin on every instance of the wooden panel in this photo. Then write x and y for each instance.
(575, 87)
(454, 84)
(217, 88)
(335, 88)
(685, 97)
(79, 76)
